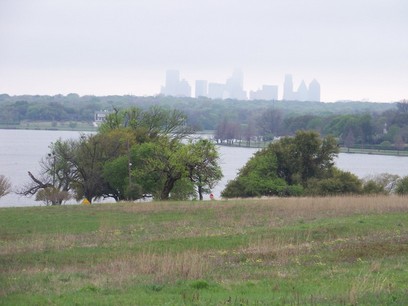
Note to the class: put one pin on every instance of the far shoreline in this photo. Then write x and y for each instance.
(89, 127)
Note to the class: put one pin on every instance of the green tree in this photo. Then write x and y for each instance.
(76, 167)
(202, 165)
(159, 165)
(349, 140)
(304, 156)
(286, 167)
(259, 177)
(116, 173)
(169, 162)
(88, 159)
(135, 153)
(148, 124)
(269, 123)
(166, 168)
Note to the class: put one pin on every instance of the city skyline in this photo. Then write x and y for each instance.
(356, 49)
(233, 88)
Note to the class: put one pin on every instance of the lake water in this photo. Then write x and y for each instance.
(21, 151)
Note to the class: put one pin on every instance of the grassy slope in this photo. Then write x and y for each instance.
(249, 252)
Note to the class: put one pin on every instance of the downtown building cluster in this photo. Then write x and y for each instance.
(233, 88)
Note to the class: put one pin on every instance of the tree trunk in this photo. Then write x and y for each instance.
(168, 186)
(200, 192)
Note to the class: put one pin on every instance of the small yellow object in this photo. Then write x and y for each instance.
(86, 202)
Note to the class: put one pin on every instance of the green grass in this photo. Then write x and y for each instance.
(376, 151)
(314, 251)
(49, 125)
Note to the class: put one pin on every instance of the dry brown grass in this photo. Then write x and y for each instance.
(160, 267)
(228, 218)
(291, 207)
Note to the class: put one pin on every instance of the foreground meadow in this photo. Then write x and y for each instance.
(294, 251)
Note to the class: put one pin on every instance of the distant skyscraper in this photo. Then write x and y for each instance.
(201, 88)
(268, 92)
(233, 89)
(174, 87)
(302, 92)
(288, 88)
(234, 86)
(184, 89)
(216, 90)
(172, 82)
(314, 91)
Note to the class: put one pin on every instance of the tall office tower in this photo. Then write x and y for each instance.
(184, 89)
(234, 86)
(314, 91)
(288, 88)
(216, 90)
(268, 92)
(175, 87)
(172, 83)
(201, 88)
(302, 92)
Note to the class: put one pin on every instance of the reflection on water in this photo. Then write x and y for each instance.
(21, 150)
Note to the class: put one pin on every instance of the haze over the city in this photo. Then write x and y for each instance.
(357, 49)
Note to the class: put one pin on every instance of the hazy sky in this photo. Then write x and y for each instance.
(356, 49)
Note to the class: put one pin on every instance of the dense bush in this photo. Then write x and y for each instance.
(339, 183)
(402, 186)
(291, 167)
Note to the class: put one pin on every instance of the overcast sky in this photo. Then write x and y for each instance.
(356, 49)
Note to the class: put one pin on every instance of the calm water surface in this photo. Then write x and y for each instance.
(21, 151)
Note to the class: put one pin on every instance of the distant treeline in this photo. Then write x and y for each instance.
(351, 122)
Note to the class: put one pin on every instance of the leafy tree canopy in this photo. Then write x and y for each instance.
(135, 153)
(303, 164)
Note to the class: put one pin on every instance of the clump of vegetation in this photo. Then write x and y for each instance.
(383, 183)
(304, 165)
(135, 153)
(402, 186)
(300, 165)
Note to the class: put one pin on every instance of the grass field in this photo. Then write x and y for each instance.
(48, 125)
(295, 251)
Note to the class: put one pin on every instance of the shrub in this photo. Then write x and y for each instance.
(373, 187)
(402, 186)
(373, 183)
(340, 183)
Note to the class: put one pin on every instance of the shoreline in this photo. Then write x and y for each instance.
(386, 152)
(253, 145)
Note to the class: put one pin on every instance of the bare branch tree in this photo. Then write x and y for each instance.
(56, 174)
(34, 186)
(5, 186)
